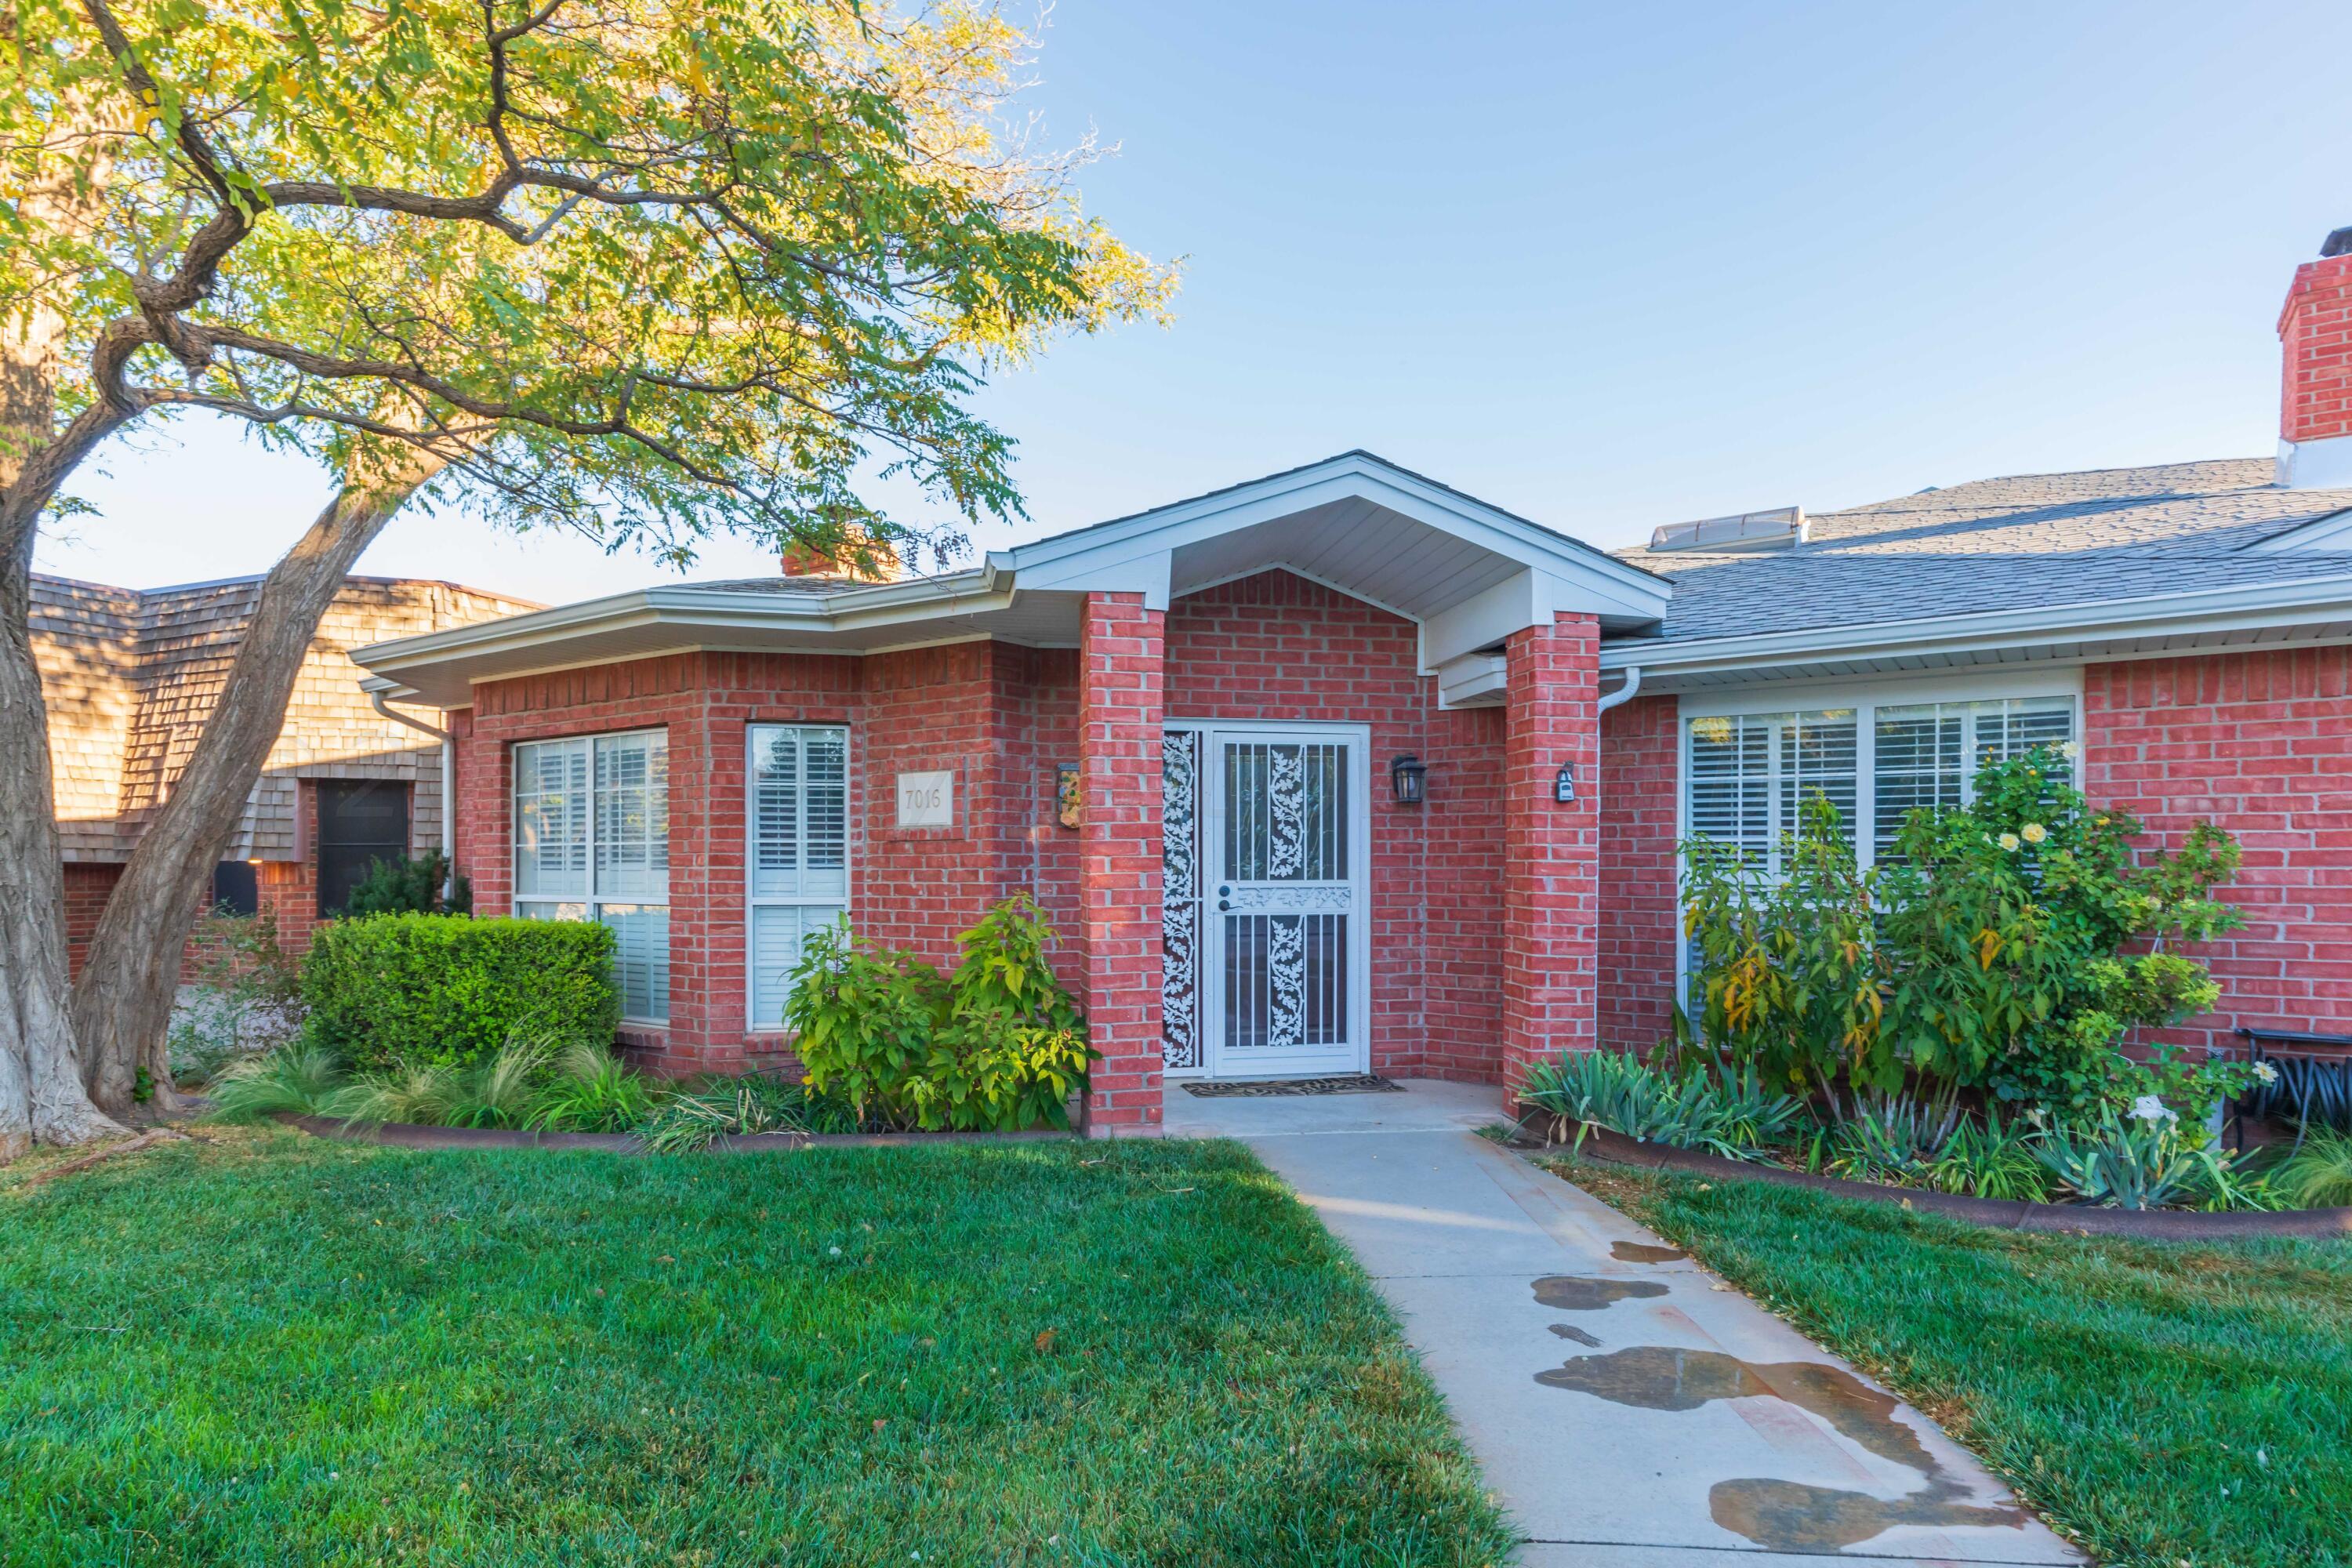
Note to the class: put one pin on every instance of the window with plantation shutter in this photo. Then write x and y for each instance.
(1927, 755)
(591, 843)
(798, 858)
(1750, 776)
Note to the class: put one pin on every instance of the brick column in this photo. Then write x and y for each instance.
(1120, 711)
(1550, 848)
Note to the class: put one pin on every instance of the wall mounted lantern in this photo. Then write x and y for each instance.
(1408, 778)
(1563, 783)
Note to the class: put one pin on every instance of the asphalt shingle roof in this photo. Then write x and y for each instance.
(2007, 544)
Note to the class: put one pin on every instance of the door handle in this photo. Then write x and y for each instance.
(1222, 906)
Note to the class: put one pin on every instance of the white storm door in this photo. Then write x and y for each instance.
(1285, 862)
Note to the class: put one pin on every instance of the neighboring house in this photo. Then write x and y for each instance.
(130, 677)
(1341, 769)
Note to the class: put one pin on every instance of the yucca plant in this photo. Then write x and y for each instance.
(1687, 1108)
(296, 1079)
(2141, 1161)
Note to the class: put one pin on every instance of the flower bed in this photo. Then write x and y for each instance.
(2162, 1225)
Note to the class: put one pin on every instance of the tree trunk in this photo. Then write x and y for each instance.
(122, 1002)
(41, 1094)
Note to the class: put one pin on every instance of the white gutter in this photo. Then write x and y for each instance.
(2246, 607)
(448, 786)
(1624, 693)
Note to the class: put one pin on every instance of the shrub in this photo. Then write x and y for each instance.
(998, 1045)
(499, 1090)
(396, 887)
(395, 993)
(2008, 946)
(2141, 1161)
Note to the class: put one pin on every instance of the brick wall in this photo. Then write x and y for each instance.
(1121, 711)
(88, 884)
(1551, 894)
(2261, 744)
(1638, 817)
(1278, 647)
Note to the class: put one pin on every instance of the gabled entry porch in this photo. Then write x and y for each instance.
(1258, 899)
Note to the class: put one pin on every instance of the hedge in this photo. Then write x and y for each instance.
(420, 990)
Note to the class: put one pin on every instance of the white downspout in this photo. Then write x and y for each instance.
(1624, 693)
(448, 790)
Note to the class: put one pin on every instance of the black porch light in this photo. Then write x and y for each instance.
(1408, 775)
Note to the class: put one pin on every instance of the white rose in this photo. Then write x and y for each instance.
(2147, 1107)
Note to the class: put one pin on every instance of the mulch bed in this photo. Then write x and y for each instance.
(1350, 1083)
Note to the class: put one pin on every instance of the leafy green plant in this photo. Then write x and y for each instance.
(998, 1045)
(725, 1107)
(1787, 972)
(395, 885)
(589, 1090)
(393, 993)
(2320, 1173)
(1987, 1157)
(297, 1078)
(2027, 937)
(1694, 1106)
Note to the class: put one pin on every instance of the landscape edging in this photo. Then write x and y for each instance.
(417, 1135)
(2152, 1225)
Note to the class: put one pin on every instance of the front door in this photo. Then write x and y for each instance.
(1265, 923)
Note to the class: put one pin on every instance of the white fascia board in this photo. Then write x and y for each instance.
(2203, 611)
(1146, 573)
(1598, 583)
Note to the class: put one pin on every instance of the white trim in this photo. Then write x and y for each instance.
(1952, 686)
(589, 899)
(1209, 980)
(753, 901)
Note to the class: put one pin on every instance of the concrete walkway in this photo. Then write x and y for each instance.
(1631, 1410)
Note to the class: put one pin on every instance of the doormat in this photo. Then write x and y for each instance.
(1352, 1083)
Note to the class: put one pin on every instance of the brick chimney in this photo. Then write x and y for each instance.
(2315, 401)
(857, 559)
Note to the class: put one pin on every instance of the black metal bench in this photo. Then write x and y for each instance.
(2314, 1081)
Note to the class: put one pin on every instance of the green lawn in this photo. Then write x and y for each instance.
(275, 1350)
(2164, 1404)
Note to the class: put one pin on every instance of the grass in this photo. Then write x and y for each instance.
(267, 1349)
(2162, 1404)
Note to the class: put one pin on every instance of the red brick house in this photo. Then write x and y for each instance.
(1342, 770)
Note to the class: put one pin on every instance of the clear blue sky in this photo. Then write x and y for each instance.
(1608, 266)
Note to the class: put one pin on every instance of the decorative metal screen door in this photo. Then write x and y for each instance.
(1283, 858)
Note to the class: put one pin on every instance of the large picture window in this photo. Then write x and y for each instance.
(798, 858)
(591, 843)
(1747, 776)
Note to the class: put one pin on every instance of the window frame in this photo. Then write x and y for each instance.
(1865, 698)
(753, 901)
(590, 901)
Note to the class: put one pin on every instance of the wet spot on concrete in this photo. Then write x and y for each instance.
(1570, 1331)
(1642, 1252)
(1788, 1516)
(1580, 1293)
(1655, 1377)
